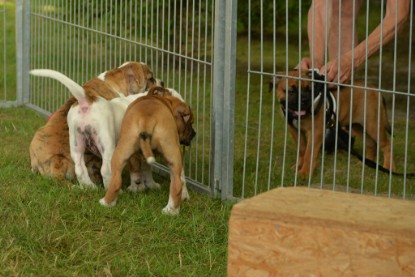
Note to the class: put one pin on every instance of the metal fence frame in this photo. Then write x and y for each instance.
(221, 166)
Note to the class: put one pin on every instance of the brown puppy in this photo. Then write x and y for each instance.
(299, 116)
(154, 123)
(49, 149)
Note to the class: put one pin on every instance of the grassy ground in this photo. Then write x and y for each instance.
(52, 228)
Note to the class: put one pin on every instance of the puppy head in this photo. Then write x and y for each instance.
(293, 91)
(184, 121)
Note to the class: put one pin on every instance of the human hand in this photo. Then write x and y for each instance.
(304, 64)
(333, 73)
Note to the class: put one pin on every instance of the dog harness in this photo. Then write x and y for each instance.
(320, 93)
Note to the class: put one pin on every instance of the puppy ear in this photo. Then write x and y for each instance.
(159, 91)
(273, 82)
(182, 110)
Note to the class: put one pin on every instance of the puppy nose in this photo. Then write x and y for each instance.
(162, 83)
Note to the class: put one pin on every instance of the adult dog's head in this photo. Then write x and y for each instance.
(294, 92)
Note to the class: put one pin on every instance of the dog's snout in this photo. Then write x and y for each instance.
(162, 84)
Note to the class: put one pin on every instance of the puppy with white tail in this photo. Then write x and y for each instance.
(94, 122)
(154, 123)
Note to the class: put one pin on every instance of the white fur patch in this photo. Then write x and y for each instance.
(105, 204)
(124, 64)
(151, 160)
(170, 209)
(102, 75)
(176, 94)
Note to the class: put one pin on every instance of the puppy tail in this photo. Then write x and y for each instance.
(76, 90)
(145, 146)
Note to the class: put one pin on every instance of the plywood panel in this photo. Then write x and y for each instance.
(300, 231)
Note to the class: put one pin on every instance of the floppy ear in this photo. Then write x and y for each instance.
(273, 82)
(183, 111)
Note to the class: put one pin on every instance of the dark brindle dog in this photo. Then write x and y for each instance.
(299, 110)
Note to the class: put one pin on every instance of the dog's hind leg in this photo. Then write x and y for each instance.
(173, 156)
(77, 147)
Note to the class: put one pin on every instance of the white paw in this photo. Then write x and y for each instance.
(170, 210)
(136, 188)
(185, 194)
(105, 204)
(87, 186)
(153, 185)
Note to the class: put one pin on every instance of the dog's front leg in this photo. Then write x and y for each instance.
(302, 147)
(311, 153)
(185, 193)
(136, 179)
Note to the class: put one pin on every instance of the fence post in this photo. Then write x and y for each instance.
(22, 51)
(223, 106)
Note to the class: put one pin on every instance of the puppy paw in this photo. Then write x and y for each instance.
(185, 194)
(153, 185)
(88, 186)
(170, 211)
(105, 204)
(304, 173)
(136, 188)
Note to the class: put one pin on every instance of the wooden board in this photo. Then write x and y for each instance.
(311, 232)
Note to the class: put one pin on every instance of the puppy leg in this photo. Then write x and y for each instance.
(173, 157)
(123, 152)
(383, 143)
(148, 176)
(77, 147)
(302, 147)
(185, 193)
(106, 151)
(136, 179)
(311, 153)
(141, 176)
(388, 159)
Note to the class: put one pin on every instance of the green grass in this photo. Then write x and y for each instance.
(52, 228)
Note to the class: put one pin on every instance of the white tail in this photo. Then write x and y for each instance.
(76, 90)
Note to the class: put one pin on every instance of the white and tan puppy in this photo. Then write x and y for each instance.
(154, 123)
(49, 148)
(93, 124)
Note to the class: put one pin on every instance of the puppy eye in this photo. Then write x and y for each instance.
(290, 91)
